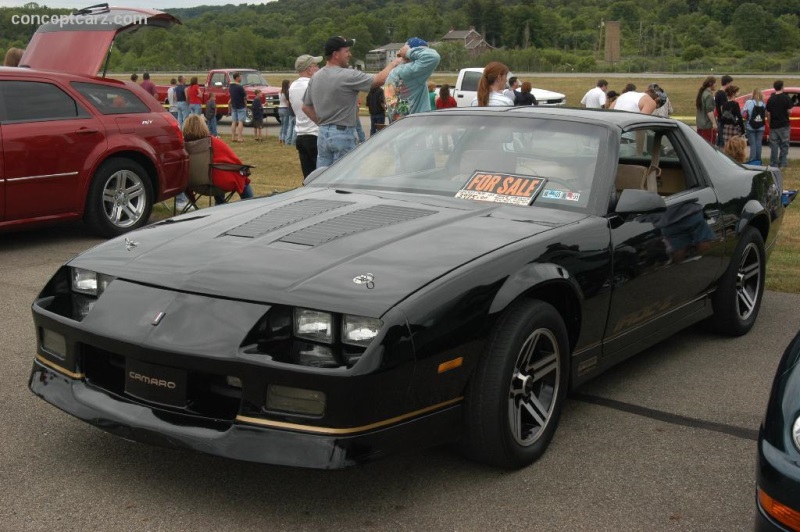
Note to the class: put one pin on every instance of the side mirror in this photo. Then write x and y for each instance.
(313, 175)
(632, 201)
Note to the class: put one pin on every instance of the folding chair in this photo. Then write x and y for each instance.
(200, 171)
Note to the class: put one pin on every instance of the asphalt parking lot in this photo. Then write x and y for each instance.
(665, 441)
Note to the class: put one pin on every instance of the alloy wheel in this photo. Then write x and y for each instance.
(534, 387)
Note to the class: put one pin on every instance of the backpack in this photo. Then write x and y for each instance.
(756, 118)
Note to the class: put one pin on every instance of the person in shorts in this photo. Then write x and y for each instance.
(257, 109)
(238, 106)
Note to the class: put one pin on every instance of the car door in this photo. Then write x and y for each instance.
(794, 114)
(663, 262)
(47, 140)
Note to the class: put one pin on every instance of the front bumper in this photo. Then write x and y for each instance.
(778, 476)
(238, 439)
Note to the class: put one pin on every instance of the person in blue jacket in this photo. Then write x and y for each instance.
(406, 89)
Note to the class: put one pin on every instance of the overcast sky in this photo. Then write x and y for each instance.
(77, 4)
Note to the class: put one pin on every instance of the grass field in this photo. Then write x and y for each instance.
(278, 168)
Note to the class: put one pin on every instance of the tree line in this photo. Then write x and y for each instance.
(529, 35)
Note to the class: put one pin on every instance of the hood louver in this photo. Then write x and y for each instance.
(283, 216)
(353, 222)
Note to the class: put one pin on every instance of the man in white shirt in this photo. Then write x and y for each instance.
(595, 98)
(307, 131)
(511, 91)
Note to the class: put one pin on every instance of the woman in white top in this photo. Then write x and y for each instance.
(635, 102)
(491, 86)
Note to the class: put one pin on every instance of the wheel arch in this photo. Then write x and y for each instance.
(143, 160)
(550, 283)
(754, 215)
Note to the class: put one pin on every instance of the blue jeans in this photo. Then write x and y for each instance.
(754, 137)
(360, 131)
(779, 141)
(374, 121)
(196, 108)
(183, 112)
(212, 126)
(219, 199)
(285, 115)
(291, 135)
(333, 143)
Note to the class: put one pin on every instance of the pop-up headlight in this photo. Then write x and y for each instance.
(360, 331)
(313, 325)
(89, 283)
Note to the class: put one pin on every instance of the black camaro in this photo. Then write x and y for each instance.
(447, 281)
(778, 468)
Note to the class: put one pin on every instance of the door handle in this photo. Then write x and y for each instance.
(86, 131)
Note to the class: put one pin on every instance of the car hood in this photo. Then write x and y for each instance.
(78, 43)
(311, 247)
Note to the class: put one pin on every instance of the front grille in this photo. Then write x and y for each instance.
(208, 394)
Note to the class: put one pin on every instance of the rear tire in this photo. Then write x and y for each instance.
(120, 198)
(514, 399)
(739, 292)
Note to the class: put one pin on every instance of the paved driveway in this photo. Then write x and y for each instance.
(664, 441)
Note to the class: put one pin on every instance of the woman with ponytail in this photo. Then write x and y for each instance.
(491, 86)
(704, 103)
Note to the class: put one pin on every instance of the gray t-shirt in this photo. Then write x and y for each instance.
(333, 93)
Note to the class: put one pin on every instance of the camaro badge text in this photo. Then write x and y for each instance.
(365, 278)
(130, 244)
(152, 381)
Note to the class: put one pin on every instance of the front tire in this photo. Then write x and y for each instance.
(120, 198)
(739, 292)
(514, 400)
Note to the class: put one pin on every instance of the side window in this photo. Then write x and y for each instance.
(28, 101)
(470, 81)
(218, 77)
(652, 152)
(110, 100)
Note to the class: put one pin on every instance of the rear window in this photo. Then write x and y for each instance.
(470, 81)
(26, 101)
(111, 100)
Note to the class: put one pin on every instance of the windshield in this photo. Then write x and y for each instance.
(495, 158)
(253, 78)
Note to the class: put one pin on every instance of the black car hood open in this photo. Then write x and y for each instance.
(307, 247)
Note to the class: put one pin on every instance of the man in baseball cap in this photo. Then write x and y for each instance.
(303, 62)
(332, 99)
(407, 85)
(334, 44)
(307, 131)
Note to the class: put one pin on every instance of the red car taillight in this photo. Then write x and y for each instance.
(174, 123)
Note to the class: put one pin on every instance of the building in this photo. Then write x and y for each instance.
(378, 58)
(471, 39)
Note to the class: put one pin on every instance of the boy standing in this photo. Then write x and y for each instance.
(258, 115)
(211, 114)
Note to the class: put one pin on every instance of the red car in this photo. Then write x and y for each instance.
(74, 145)
(794, 115)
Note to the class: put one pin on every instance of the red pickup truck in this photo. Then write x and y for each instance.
(217, 83)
